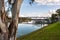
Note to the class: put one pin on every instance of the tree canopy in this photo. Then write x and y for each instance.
(58, 11)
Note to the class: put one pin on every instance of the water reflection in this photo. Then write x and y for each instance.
(24, 29)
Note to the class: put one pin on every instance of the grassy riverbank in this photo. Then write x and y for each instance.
(51, 32)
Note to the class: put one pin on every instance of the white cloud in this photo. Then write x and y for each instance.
(35, 14)
(51, 12)
(21, 16)
(48, 2)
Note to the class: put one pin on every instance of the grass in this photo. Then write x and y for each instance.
(51, 32)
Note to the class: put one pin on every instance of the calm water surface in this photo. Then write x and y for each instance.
(24, 29)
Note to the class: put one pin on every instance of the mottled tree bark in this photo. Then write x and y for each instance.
(15, 15)
(3, 24)
(9, 33)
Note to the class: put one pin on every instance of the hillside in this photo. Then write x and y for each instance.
(51, 32)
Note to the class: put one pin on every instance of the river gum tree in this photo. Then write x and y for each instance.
(9, 32)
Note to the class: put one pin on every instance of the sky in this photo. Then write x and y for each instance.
(49, 2)
(39, 8)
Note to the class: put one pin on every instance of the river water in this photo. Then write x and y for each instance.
(24, 29)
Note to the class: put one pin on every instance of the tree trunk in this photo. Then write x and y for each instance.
(9, 33)
(3, 26)
(15, 15)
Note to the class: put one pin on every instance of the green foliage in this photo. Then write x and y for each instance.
(51, 32)
(54, 18)
(58, 11)
(24, 19)
(31, 1)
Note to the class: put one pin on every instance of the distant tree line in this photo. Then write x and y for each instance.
(21, 19)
